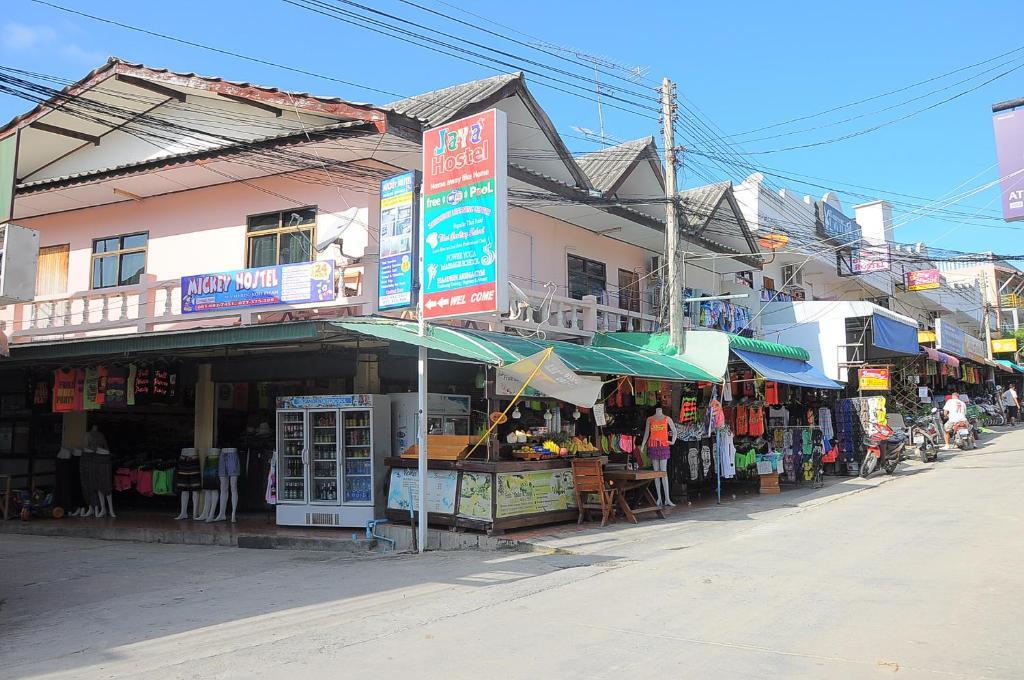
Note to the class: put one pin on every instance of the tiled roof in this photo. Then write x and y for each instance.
(442, 105)
(606, 166)
(699, 203)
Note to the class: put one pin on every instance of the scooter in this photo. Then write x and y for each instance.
(926, 434)
(962, 436)
(884, 447)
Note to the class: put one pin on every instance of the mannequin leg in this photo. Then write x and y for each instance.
(87, 512)
(664, 483)
(184, 505)
(101, 509)
(234, 498)
(656, 464)
(110, 506)
(662, 466)
(222, 515)
(211, 508)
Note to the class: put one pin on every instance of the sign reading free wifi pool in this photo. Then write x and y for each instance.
(465, 217)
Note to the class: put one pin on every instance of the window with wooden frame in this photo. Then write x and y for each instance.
(629, 290)
(52, 269)
(586, 277)
(119, 260)
(280, 237)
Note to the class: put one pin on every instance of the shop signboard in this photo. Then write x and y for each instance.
(1004, 345)
(869, 259)
(465, 222)
(833, 225)
(949, 338)
(974, 348)
(877, 379)
(1009, 130)
(327, 401)
(404, 490)
(259, 287)
(924, 279)
(396, 269)
(476, 493)
(527, 493)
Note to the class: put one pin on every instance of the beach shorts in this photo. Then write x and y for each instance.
(229, 465)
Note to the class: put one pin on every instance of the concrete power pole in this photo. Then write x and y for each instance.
(986, 311)
(673, 255)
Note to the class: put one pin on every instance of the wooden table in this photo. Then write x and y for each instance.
(630, 480)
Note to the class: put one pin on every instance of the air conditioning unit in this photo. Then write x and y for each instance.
(792, 275)
(19, 258)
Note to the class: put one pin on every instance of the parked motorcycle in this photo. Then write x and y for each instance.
(885, 447)
(926, 435)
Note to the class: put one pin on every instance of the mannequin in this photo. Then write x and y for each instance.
(100, 472)
(67, 491)
(228, 470)
(188, 481)
(662, 433)
(211, 485)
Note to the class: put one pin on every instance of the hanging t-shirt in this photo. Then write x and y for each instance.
(771, 393)
(117, 387)
(755, 424)
(748, 384)
(726, 450)
(42, 397)
(79, 389)
(133, 372)
(63, 390)
(741, 420)
(143, 385)
(778, 417)
(91, 389)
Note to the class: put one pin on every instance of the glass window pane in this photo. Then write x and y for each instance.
(264, 222)
(295, 218)
(132, 266)
(263, 251)
(134, 241)
(104, 272)
(104, 245)
(295, 247)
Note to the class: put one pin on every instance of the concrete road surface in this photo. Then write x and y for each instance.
(921, 577)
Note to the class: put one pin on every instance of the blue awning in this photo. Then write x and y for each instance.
(893, 335)
(787, 371)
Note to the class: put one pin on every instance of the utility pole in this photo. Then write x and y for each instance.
(986, 310)
(674, 256)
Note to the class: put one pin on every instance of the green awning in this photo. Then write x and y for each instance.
(500, 348)
(770, 348)
(1014, 366)
(167, 341)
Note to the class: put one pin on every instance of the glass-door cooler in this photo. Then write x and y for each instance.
(331, 451)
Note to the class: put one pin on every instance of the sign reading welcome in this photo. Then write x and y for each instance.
(258, 287)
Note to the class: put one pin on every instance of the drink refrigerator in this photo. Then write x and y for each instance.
(330, 459)
(446, 414)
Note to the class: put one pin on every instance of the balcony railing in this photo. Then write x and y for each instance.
(543, 311)
(151, 305)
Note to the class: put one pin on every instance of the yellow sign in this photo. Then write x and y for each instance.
(1004, 345)
(925, 336)
(874, 379)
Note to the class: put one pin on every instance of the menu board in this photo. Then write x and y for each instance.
(527, 493)
(404, 489)
(475, 496)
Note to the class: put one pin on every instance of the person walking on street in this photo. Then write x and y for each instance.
(956, 412)
(1012, 404)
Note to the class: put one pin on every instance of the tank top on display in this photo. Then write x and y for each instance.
(659, 432)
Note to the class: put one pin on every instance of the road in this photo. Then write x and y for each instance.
(919, 577)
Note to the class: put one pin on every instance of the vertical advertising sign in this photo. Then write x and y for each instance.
(1009, 129)
(465, 217)
(399, 217)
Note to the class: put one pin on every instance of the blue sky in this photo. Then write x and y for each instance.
(744, 66)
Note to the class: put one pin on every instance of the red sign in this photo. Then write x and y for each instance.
(924, 279)
(465, 221)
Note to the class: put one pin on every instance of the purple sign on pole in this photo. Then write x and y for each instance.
(1009, 127)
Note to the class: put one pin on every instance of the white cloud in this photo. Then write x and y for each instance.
(22, 37)
(25, 38)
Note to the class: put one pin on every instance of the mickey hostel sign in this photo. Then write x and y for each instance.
(465, 217)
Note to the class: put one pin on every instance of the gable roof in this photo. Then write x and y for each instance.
(439, 106)
(701, 205)
(607, 168)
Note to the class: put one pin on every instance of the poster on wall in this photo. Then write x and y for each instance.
(399, 215)
(527, 493)
(1009, 131)
(465, 222)
(873, 379)
(258, 287)
(924, 279)
(403, 492)
(475, 496)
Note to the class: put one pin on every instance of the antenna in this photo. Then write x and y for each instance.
(633, 73)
